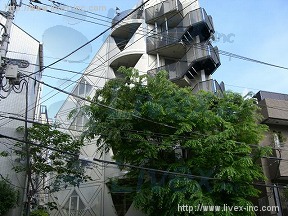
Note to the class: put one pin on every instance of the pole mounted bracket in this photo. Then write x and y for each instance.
(19, 62)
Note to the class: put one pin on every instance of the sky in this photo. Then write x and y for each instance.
(252, 28)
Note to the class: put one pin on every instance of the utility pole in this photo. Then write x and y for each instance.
(7, 70)
(9, 20)
(9, 73)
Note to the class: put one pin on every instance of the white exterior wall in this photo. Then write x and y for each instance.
(14, 105)
(95, 195)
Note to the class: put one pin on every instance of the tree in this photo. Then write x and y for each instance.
(8, 196)
(151, 122)
(49, 170)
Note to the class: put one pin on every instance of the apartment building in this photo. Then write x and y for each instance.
(171, 35)
(274, 108)
(27, 53)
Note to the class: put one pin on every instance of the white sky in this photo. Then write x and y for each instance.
(257, 29)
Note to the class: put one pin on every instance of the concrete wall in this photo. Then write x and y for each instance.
(21, 46)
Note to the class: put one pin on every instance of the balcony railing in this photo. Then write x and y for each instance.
(203, 57)
(198, 17)
(195, 23)
(208, 85)
(138, 14)
(155, 42)
(175, 70)
(164, 8)
(198, 57)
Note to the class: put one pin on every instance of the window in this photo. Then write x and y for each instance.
(79, 122)
(83, 88)
(74, 205)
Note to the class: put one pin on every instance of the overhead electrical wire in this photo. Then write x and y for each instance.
(103, 33)
(73, 12)
(70, 84)
(64, 79)
(64, 15)
(96, 37)
(134, 115)
(105, 161)
(123, 19)
(102, 77)
(128, 165)
(229, 54)
(282, 68)
(160, 135)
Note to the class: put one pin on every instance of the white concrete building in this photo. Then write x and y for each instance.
(172, 35)
(24, 47)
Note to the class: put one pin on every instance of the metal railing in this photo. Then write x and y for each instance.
(161, 9)
(197, 16)
(174, 35)
(203, 50)
(164, 39)
(195, 54)
(138, 14)
(174, 70)
(208, 85)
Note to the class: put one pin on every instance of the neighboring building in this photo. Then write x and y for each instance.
(274, 108)
(172, 35)
(24, 47)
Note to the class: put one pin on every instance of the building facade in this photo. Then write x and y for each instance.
(24, 47)
(171, 35)
(274, 108)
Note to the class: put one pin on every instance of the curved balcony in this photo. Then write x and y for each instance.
(202, 57)
(170, 43)
(128, 60)
(138, 14)
(125, 30)
(197, 23)
(209, 85)
(164, 10)
(166, 44)
(199, 57)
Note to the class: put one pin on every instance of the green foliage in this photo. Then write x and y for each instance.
(8, 197)
(61, 167)
(149, 117)
(39, 212)
(4, 154)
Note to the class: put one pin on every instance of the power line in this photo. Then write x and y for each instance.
(115, 47)
(79, 9)
(64, 79)
(220, 51)
(91, 41)
(115, 109)
(70, 71)
(102, 33)
(64, 15)
(83, 158)
(143, 132)
(229, 54)
(92, 75)
(74, 12)
(105, 161)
